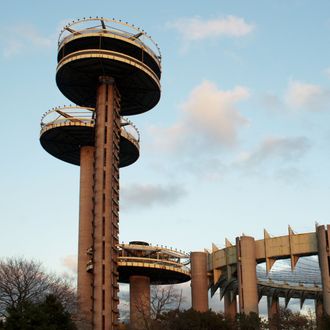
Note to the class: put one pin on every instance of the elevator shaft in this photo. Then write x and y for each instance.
(106, 206)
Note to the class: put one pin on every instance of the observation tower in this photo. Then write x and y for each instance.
(140, 265)
(109, 69)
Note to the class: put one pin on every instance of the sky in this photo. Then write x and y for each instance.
(239, 141)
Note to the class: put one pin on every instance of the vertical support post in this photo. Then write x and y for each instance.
(85, 279)
(199, 281)
(273, 308)
(230, 305)
(106, 206)
(324, 260)
(247, 275)
(139, 291)
(318, 312)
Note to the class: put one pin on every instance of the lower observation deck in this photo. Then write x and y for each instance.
(64, 130)
(162, 265)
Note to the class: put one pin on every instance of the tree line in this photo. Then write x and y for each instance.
(32, 299)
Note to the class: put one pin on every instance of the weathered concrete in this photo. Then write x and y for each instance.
(199, 281)
(106, 207)
(318, 312)
(139, 302)
(273, 308)
(230, 305)
(324, 256)
(85, 279)
(247, 275)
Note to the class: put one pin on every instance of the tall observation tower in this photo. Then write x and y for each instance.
(109, 69)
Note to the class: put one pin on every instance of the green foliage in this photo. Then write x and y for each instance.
(324, 323)
(190, 320)
(248, 322)
(288, 320)
(23, 282)
(47, 315)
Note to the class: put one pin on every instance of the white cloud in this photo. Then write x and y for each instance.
(147, 195)
(70, 262)
(209, 119)
(311, 97)
(24, 37)
(271, 101)
(198, 29)
(276, 148)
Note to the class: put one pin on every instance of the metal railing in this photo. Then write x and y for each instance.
(97, 25)
(153, 261)
(82, 116)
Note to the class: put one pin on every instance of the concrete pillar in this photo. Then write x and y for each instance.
(273, 308)
(247, 275)
(139, 302)
(199, 281)
(230, 305)
(106, 207)
(324, 258)
(85, 279)
(318, 312)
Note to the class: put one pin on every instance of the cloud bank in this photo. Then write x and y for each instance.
(148, 195)
(192, 29)
(301, 95)
(70, 263)
(24, 37)
(209, 119)
(277, 148)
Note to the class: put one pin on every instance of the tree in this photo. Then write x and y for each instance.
(251, 321)
(192, 320)
(23, 281)
(288, 320)
(164, 299)
(47, 315)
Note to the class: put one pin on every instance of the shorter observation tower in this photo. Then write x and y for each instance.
(68, 133)
(141, 265)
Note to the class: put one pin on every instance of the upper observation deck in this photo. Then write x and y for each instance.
(161, 264)
(94, 47)
(64, 130)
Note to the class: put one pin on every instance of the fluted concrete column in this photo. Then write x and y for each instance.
(247, 275)
(273, 312)
(199, 281)
(85, 288)
(139, 302)
(324, 255)
(230, 305)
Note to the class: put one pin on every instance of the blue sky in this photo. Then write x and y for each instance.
(239, 141)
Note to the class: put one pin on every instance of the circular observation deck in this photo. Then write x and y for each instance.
(94, 47)
(161, 264)
(64, 130)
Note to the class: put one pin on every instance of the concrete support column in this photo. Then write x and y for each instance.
(247, 275)
(324, 259)
(273, 308)
(139, 302)
(230, 305)
(106, 207)
(318, 312)
(85, 279)
(199, 281)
